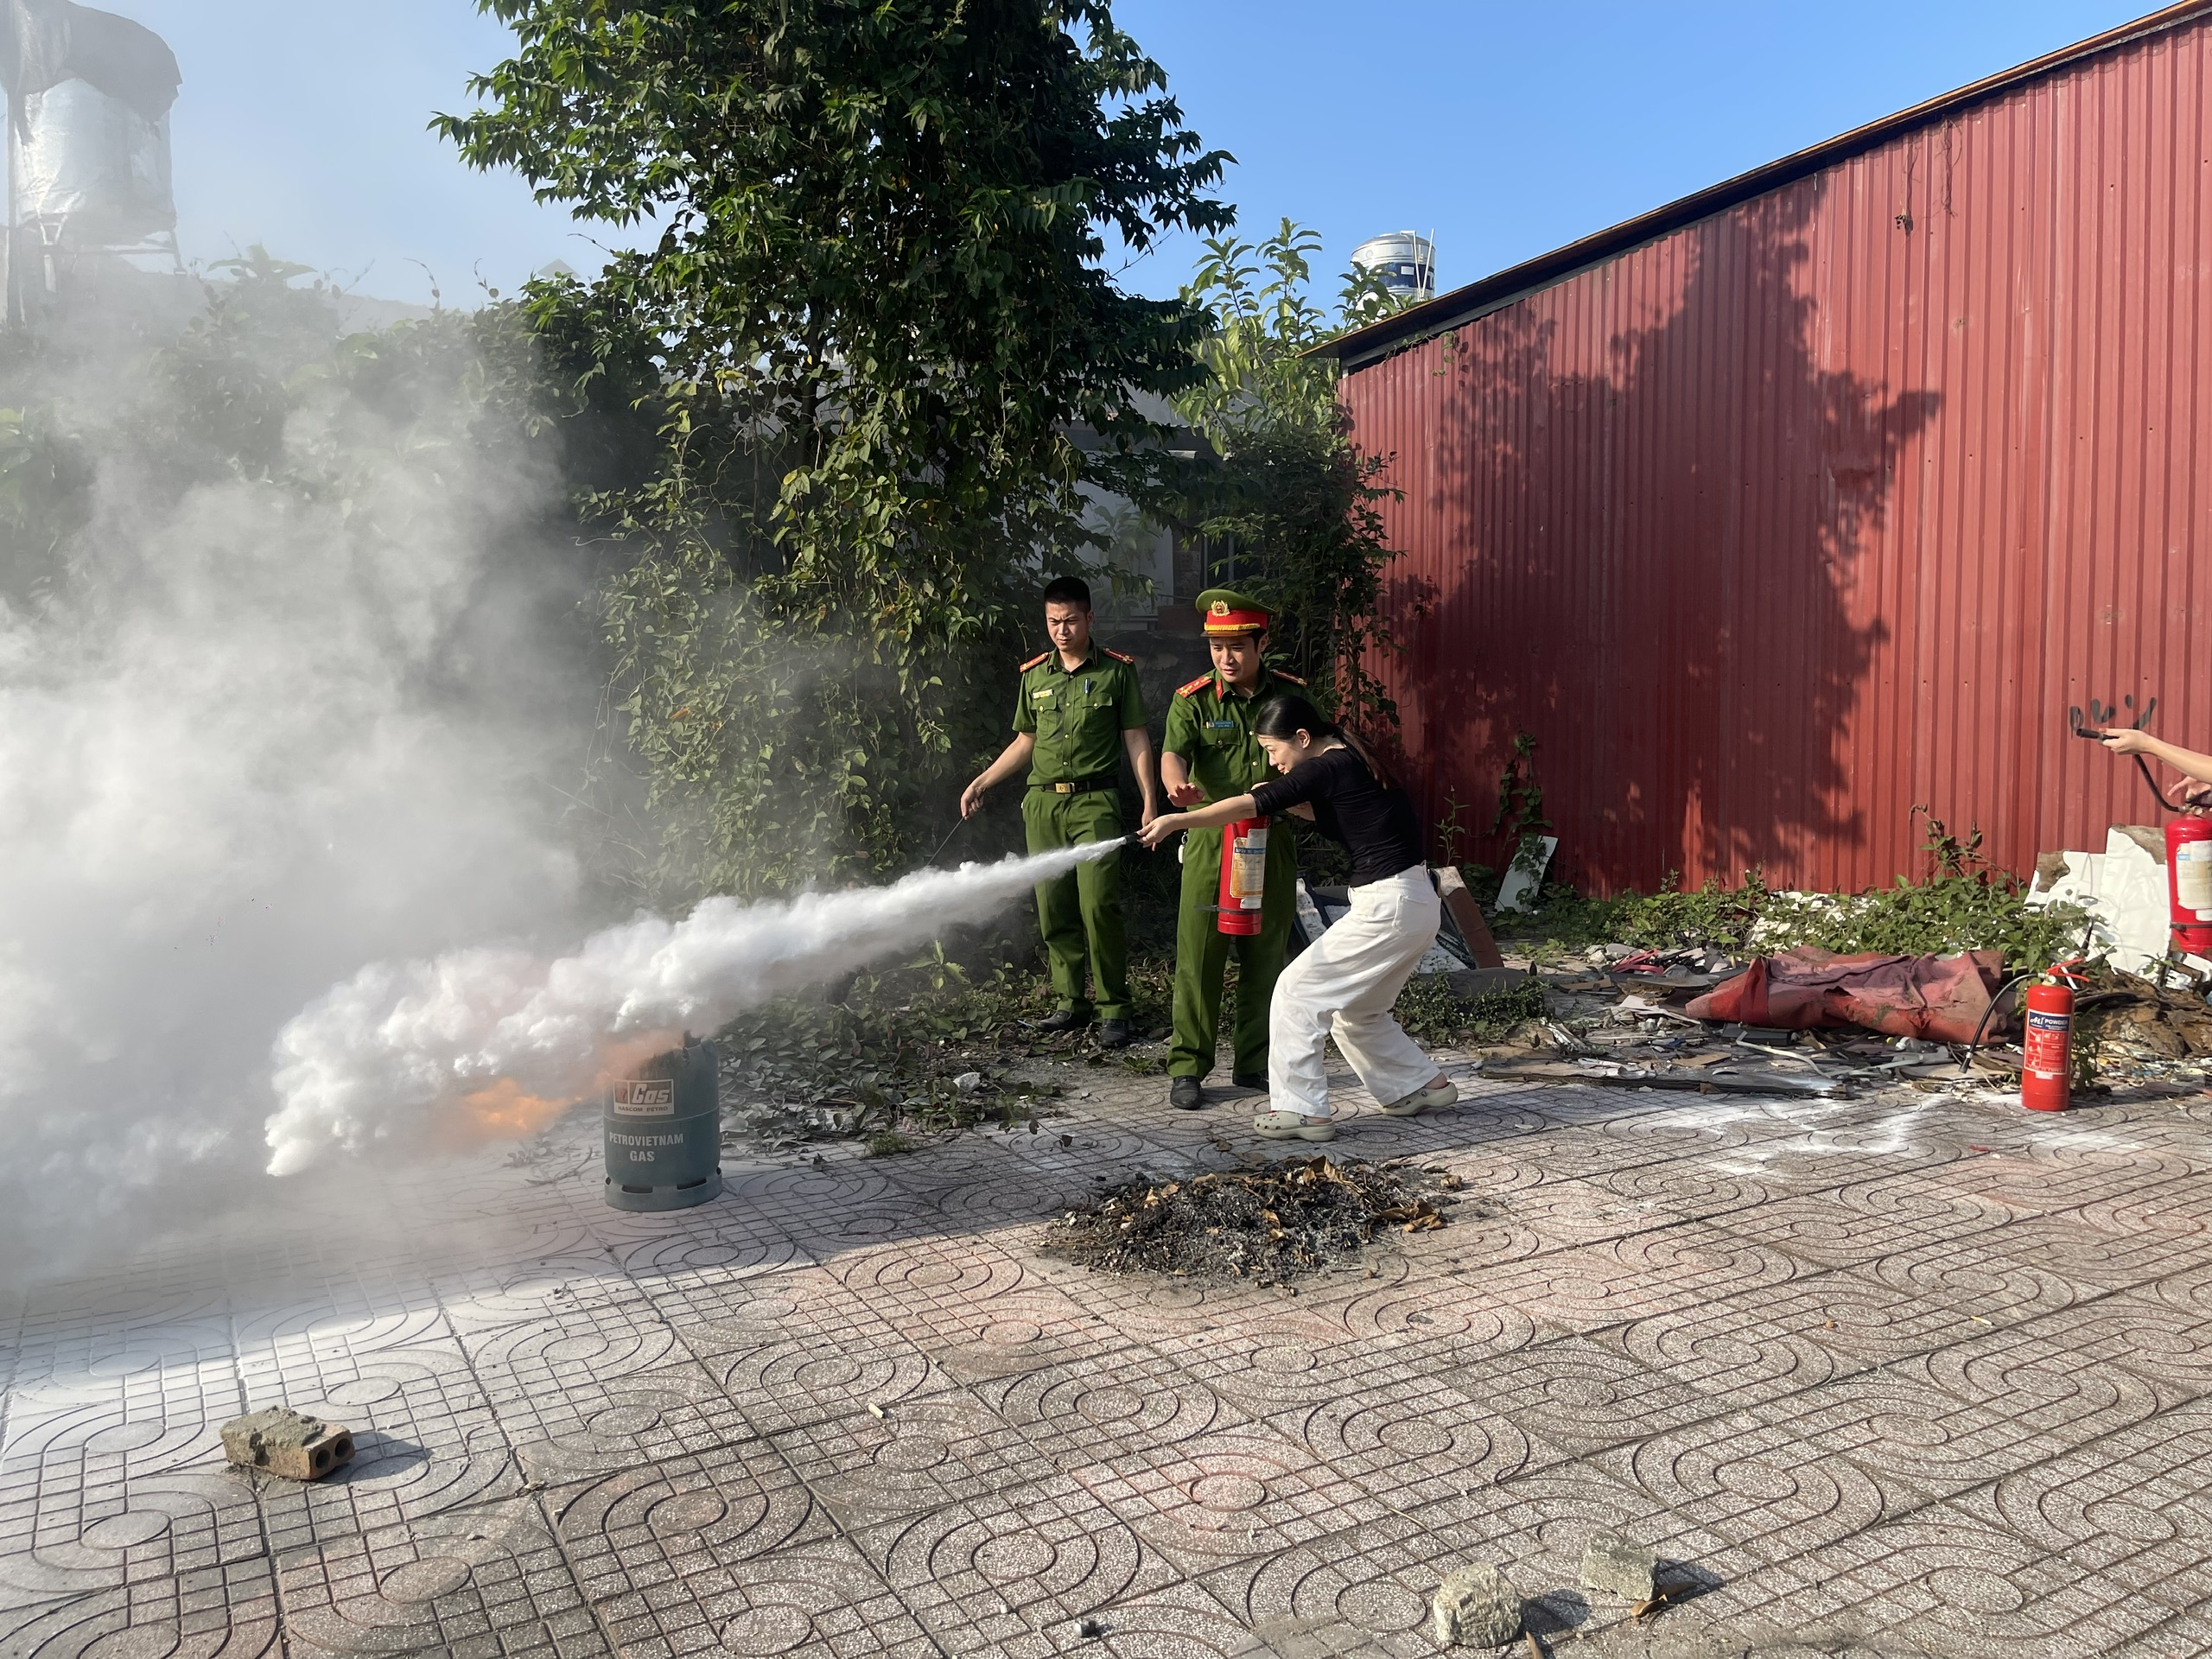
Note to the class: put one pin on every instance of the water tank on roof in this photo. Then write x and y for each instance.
(93, 165)
(1407, 263)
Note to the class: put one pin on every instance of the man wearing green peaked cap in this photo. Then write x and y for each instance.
(1210, 754)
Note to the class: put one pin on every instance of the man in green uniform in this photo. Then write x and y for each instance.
(1210, 754)
(1078, 711)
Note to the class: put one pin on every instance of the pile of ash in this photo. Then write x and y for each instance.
(1271, 1223)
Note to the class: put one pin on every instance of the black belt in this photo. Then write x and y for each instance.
(1081, 785)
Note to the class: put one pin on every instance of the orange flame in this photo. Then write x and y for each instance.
(503, 1110)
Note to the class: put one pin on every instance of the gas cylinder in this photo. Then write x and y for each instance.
(2189, 883)
(664, 1131)
(1244, 875)
(2048, 1048)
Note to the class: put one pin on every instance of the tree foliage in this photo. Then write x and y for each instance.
(1291, 504)
(877, 305)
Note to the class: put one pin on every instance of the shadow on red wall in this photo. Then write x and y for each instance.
(1639, 545)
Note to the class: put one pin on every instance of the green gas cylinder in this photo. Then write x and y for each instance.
(663, 1124)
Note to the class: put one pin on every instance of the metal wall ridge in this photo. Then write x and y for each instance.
(1473, 300)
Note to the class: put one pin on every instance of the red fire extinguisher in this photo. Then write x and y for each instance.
(2047, 1047)
(2189, 883)
(1244, 875)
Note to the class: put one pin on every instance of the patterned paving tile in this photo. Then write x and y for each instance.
(1136, 1402)
(2062, 1169)
(1296, 1360)
(61, 1538)
(1577, 1396)
(480, 1581)
(639, 1533)
(1399, 1300)
(2038, 1384)
(2134, 1506)
(1411, 1443)
(2138, 1331)
(1900, 1373)
(1688, 1189)
(922, 1455)
(816, 1598)
(1917, 1441)
(1947, 1585)
(227, 1613)
(1753, 1485)
(1228, 1496)
(1365, 1593)
(425, 1436)
(588, 1427)
(1014, 1568)
(1733, 1350)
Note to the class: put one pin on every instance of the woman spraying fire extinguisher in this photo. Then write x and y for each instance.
(2189, 839)
(1346, 984)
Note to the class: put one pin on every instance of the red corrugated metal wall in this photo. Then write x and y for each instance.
(1772, 528)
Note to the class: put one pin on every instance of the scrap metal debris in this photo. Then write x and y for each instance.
(1272, 1224)
(2148, 1035)
(2155, 1022)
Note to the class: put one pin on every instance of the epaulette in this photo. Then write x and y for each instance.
(1195, 686)
(1034, 661)
(1119, 655)
(1293, 678)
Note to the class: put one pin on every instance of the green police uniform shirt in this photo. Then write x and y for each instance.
(1211, 728)
(1078, 717)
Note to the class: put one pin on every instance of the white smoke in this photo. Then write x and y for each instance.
(252, 734)
(382, 1056)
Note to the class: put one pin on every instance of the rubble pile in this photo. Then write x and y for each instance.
(1272, 1224)
(1619, 1017)
(2137, 1027)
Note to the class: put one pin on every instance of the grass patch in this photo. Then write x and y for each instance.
(1949, 912)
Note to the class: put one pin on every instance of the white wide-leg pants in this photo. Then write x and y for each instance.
(1345, 985)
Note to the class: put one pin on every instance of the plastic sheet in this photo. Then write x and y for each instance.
(1939, 999)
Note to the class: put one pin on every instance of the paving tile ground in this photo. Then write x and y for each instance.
(1900, 1374)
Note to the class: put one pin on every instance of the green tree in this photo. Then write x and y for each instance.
(1290, 505)
(876, 307)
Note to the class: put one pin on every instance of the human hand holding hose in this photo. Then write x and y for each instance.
(2195, 767)
(1237, 807)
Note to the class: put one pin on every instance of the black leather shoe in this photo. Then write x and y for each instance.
(1065, 1019)
(1184, 1093)
(1113, 1034)
(1250, 1080)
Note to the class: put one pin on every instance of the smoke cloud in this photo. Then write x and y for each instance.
(290, 692)
(255, 729)
(395, 1052)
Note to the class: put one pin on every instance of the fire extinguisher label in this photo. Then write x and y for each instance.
(2047, 1039)
(1248, 870)
(2193, 878)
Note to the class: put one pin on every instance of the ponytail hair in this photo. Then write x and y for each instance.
(1287, 715)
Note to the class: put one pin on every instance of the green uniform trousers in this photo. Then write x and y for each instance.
(1202, 953)
(1084, 906)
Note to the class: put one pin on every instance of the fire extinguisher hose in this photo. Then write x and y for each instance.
(2064, 969)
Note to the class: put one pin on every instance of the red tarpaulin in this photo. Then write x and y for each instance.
(1941, 999)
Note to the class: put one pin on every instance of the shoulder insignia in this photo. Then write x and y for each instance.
(1195, 686)
(1119, 655)
(1034, 661)
(1280, 675)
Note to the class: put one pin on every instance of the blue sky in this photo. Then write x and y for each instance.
(1505, 129)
